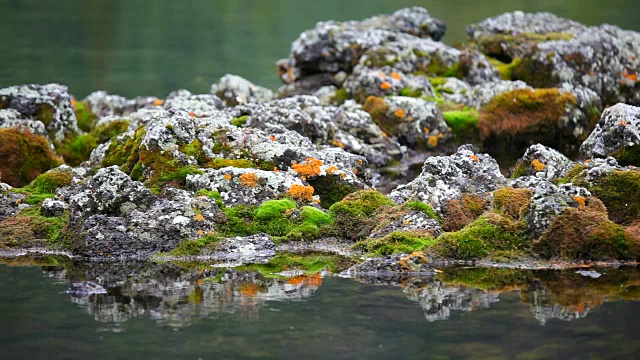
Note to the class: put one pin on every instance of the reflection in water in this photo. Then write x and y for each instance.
(176, 297)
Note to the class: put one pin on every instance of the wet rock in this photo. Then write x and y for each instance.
(416, 123)
(617, 134)
(448, 177)
(49, 104)
(397, 264)
(254, 249)
(545, 50)
(542, 162)
(234, 90)
(335, 46)
(200, 105)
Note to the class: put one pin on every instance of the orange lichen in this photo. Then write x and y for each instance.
(227, 176)
(74, 102)
(310, 167)
(360, 161)
(301, 192)
(201, 232)
(191, 114)
(587, 160)
(158, 102)
(249, 180)
(273, 138)
(400, 113)
(426, 130)
(474, 158)
(629, 75)
(382, 75)
(331, 169)
(396, 76)
(343, 175)
(581, 200)
(537, 164)
(622, 123)
(338, 143)
(198, 217)
(385, 86)
(433, 141)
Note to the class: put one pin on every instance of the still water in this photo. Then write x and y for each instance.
(66, 310)
(152, 47)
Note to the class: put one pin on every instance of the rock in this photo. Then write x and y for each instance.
(412, 221)
(545, 50)
(397, 264)
(49, 104)
(416, 123)
(103, 104)
(254, 249)
(386, 81)
(479, 95)
(335, 46)
(448, 177)
(617, 134)
(9, 201)
(51, 207)
(234, 90)
(542, 162)
(200, 105)
(12, 118)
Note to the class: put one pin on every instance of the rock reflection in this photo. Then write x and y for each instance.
(177, 296)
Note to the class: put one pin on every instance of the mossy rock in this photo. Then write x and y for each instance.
(354, 215)
(79, 148)
(85, 117)
(395, 242)
(585, 233)
(331, 189)
(24, 156)
(512, 202)
(458, 213)
(29, 228)
(489, 233)
(463, 124)
(45, 185)
(628, 155)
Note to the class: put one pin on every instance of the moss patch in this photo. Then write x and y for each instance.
(44, 186)
(354, 215)
(79, 148)
(331, 189)
(458, 213)
(240, 121)
(628, 156)
(85, 117)
(24, 156)
(395, 242)
(489, 233)
(30, 228)
(512, 202)
(463, 124)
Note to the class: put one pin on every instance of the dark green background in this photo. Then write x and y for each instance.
(151, 47)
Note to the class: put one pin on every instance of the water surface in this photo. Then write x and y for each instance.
(143, 310)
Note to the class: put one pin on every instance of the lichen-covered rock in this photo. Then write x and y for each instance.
(51, 207)
(386, 81)
(243, 186)
(479, 95)
(112, 216)
(13, 118)
(545, 50)
(416, 123)
(617, 134)
(334, 46)
(254, 249)
(543, 162)
(9, 201)
(49, 104)
(397, 264)
(428, 57)
(412, 221)
(548, 201)
(200, 105)
(103, 104)
(234, 90)
(448, 177)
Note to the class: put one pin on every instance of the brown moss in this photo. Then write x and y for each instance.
(355, 214)
(586, 233)
(24, 156)
(512, 202)
(458, 213)
(378, 109)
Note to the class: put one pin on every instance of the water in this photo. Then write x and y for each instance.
(152, 47)
(144, 311)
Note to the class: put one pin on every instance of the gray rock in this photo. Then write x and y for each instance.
(553, 164)
(200, 105)
(9, 201)
(258, 248)
(479, 95)
(12, 118)
(51, 207)
(616, 132)
(385, 81)
(234, 90)
(49, 104)
(448, 177)
(413, 221)
(103, 104)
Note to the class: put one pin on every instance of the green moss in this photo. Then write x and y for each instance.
(311, 224)
(239, 221)
(628, 155)
(463, 123)
(490, 232)
(212, 194)
(24, 156)
(273, 209)
(194, 247)
(411, 92)
(29, 228)
(512, 202)
(505, 69)
(395, 242)
(219, 163)
(534, 73)
(45, 113)
(240, 121)
(124, 152)
(424, 207)
(341, 95)
(85, 117)
(45, 185)
(79, 148)
(354, 214)
(619, 191)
